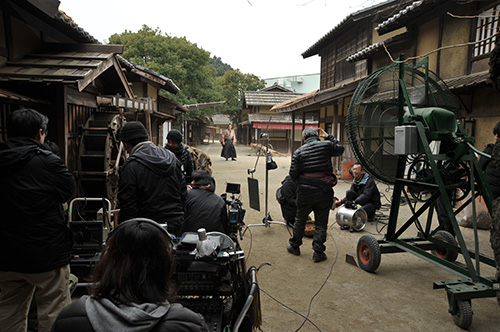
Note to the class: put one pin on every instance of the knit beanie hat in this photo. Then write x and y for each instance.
(175, 136)
(133, 131)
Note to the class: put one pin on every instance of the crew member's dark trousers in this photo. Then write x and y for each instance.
(369, 208)
(321, 212)
(442, 215)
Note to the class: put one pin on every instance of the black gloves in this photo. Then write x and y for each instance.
(350, 205)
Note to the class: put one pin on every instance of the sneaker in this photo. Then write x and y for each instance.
(319, 257)
(293, 250)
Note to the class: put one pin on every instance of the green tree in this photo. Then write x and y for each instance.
(176, 58)
(231, 86)
(220, 66)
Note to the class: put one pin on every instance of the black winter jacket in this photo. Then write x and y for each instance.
(74, 318)
(152, 186)
(182, 153)
(314, 156)
(491, 172)
(34, 183)
(204, 209)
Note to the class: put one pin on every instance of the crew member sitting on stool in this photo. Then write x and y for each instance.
(363, 192)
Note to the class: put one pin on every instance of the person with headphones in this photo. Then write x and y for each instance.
(131, 287)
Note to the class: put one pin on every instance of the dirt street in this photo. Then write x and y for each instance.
(340, 296)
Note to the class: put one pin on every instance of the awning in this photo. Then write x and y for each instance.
(286, 126)
(77, 64)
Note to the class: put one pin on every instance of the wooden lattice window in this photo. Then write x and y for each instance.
(486, 28)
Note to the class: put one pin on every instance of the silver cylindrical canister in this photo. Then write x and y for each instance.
(354, 218)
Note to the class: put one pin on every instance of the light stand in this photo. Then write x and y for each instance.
(267, 220)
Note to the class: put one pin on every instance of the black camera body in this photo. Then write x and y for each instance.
(235, 211)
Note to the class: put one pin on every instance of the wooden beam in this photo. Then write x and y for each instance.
(48, 63)
(96, 48)
(123, 78)
(82, 84)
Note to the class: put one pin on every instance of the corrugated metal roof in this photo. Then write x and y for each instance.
(267, 98)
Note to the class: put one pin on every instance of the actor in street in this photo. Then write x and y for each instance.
(228, 139)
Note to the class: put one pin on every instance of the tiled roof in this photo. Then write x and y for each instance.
(468, 80)
(63, 18)
(365, 52)
(267, 98)
(274, 118)
(220, 119)
(350, 19)
(400, 14)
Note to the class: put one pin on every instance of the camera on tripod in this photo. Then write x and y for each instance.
(235, 211)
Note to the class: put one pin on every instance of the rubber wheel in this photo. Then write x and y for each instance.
(463, 317)
(449, 255)
(368, 252)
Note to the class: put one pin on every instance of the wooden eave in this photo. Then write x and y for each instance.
(78, 67)
(7, 96)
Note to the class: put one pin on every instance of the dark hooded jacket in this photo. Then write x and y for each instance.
(103, 315)
(311, 162)
(491, 172)
(152, 186)
(34, 183)
(186, 161)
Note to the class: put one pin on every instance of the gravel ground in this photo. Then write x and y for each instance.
(334, 294)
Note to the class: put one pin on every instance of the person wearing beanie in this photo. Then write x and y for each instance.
(151, 183)
(174, 144)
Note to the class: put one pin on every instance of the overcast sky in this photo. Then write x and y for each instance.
(261, 37)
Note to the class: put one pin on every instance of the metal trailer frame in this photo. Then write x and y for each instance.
(471, 284)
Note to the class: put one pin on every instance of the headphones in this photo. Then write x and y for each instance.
(161, 227)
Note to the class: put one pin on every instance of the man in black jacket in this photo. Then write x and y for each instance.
(205, 209)
(174, 144)
(36, 242)
(363, 192)
(312, 170)
(151, 182)
(491, 172)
